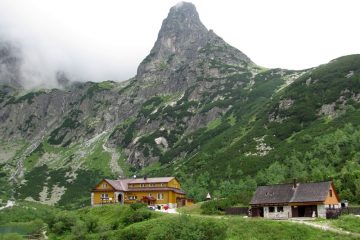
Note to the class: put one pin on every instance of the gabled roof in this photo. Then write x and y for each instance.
(286, 193)
(311, 192)
(152, 180)
(122, 184)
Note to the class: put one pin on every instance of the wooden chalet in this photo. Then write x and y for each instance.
(294, 200)
(157, 191)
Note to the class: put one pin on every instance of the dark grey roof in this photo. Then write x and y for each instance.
(281, 193)
(286, 193)
(311, 192)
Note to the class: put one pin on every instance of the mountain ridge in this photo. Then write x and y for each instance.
(197, 108)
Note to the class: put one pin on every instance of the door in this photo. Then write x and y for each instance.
(261, 212)
(301, 210)
(294, 211)
(120, 198)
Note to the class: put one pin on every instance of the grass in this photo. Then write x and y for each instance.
(240, 228)
(121, 222)
(99, 159)
(193, 209)
(123, 164)
(213, 124)
(347, 222)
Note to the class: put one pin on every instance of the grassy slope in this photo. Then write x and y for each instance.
(348, 223)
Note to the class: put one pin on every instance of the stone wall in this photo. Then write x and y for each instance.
(277, 213)
(321, 211)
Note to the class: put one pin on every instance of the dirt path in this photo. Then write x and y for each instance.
(114, 164)
(325, 227)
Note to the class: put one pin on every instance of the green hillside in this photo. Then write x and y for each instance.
(308, 130)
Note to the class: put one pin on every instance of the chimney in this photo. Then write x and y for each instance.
(145, 177)
(294, 183)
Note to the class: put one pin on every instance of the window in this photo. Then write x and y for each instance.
(280, 209)
(143, 185)
(160, 196)
(151, 185)
(161, 184)
(104, 196)
(132, 197)
(104, 185)
(149, 195)
(330, 193)
(271, 209)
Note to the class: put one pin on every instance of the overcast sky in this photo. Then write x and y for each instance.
(107, 39)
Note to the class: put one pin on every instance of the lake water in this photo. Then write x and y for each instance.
(12, 229)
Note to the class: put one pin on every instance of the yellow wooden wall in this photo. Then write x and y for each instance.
(174, 183)
(169, 196)
(139, 185)
(332, 200)
(102, 188)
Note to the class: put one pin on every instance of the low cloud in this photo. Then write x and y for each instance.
(87, 40)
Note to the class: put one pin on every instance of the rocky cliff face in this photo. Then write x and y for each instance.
(183, 52)
(184, 70)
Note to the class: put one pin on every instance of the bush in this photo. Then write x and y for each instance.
(136, 206)
(63, 223)
(132, 233)
(219, 205)
(215, 206)
(185, 227)
(134, 216)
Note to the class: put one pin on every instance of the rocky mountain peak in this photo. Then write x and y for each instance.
(181, 40)
(181, 35)
(183, 16)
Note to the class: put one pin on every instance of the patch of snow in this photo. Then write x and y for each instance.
(162, 141)
(9, 204)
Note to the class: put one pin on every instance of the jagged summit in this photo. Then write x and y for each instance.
(183, 41)
(183, 16)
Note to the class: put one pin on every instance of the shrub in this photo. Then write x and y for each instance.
(185, 227)
(215, 206)
(132, 233)
(133, 216)
(63, 223)
(136, 206)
